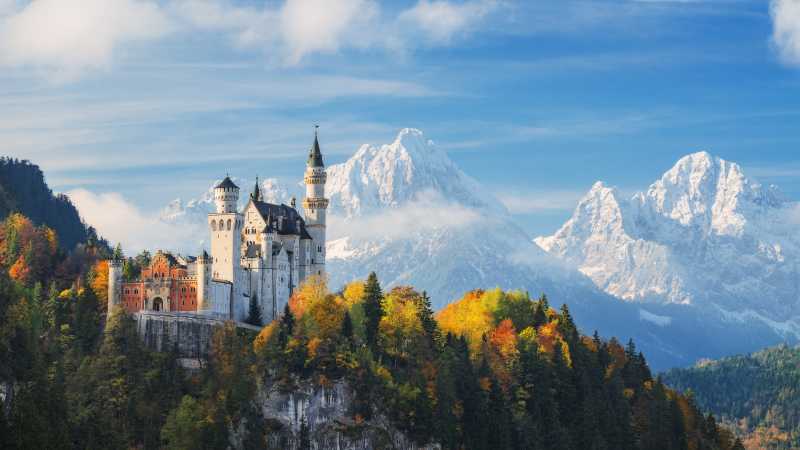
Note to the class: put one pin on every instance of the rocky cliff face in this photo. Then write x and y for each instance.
(324, 410)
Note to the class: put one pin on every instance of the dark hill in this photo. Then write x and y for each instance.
(23, 189)
(757, 394)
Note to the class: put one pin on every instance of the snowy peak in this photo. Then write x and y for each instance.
(392, 175)
(709, 193)
(703, 233)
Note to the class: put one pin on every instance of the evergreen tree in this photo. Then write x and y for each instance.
(305, 436)
(373, 310)
(347, 327)
(254, 313)
(427, 319)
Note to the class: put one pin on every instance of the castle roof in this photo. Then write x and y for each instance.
(315, 155)
(227, 183)
(282, 219)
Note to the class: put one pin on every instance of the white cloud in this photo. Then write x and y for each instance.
(532, 202)
(296, 29)
(429, 211)
(118, 220)
(67, 37)
(786, 29)
(441, 20)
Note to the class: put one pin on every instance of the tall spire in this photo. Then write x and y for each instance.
(315, 155)
(256, 195)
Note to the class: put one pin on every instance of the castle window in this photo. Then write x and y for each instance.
(221, 225)
(213, 225)
(229, 224)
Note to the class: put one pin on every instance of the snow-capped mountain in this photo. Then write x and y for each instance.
(701, 265)
(406, 211)
(703, 235)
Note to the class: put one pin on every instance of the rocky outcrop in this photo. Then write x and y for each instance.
(324, 411)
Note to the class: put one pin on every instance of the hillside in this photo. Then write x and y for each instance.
(354, 370)
(23, 189)
(758, 395)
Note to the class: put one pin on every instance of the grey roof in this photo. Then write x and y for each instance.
(282, 219)
(226, 184)
(315, 155)
(251, 252)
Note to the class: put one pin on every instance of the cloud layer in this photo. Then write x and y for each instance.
(71, 36)
(786, 29)
(119, 221)
(83, 35)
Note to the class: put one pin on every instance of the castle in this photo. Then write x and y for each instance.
(260, 255)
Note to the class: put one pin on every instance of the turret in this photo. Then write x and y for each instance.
(226, 196)
(316, 205)
(203, 273)
(114, 285)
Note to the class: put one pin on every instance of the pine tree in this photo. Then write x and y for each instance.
(254, 314)
(540, 314)
(738, 445)
(347, 327)
(426, 317)
(373, 310)
(118, 255)
(286, 327)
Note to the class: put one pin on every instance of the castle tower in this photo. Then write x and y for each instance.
(114, 285)
(225, 226)
(316, 205)
(203, 269)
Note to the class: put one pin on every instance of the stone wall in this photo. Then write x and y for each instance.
(192, 333)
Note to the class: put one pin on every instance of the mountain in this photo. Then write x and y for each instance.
(757, 394)
(704, 235)
(406, 211)
(23, 189)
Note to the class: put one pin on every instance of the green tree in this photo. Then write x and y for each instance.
(373, 309)
(183, 429)
(254, 312)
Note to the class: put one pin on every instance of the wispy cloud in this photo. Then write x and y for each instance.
(786, 29)
(538, 201)
(120, 221)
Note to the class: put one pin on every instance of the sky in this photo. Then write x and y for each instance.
(129, 104)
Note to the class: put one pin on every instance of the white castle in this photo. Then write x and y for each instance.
(260, 255)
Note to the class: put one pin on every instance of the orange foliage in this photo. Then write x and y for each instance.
(20, 271)
(100, 282)
(504, 340)
(548, 337)
(327, 314)
(264, 337)
(312, 290)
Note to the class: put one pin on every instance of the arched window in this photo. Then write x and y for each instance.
(213, 225)
(229, 224)
(221, 225)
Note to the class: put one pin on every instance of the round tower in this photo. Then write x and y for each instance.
(315, 205)
(226, 196)
(203, 274)
(114, 285)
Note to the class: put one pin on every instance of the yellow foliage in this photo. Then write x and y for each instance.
(312, 290)
(469, 317)
(327, 314)
(400, 325)
(353, 293)
(313, 345)
(100, 282)
(548, 337)
(264, 336)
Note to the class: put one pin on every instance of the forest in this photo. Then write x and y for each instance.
(756, 395)
(493, 370)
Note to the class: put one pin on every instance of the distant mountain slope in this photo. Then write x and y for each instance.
(23, 189)
(703, 235)
(758, 394)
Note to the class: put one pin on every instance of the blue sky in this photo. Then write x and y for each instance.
(151, 100)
